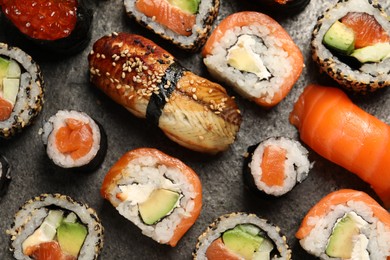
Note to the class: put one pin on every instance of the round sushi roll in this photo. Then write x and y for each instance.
(5, 177)
(21, 90)
(351, 43)
(61, 26)
(276, 165)
(158, 193)
(56, 225)
(253, 54)
(185, 23)
(346, 224)
(241, 236)
(74, 140)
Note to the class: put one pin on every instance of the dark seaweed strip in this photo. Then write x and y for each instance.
(157, 101)
(5, 177)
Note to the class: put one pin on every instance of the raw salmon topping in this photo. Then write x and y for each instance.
(5, 109)
(49, 251)
(367, 29)
(42, 19)
(75, 138)
(272, 165)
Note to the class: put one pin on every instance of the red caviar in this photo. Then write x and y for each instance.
(42, 19)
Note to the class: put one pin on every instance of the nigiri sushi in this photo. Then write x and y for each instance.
(345, 134)
(148, 81)
(346, 224)
(253, 54)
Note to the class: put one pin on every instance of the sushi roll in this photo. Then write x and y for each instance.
(60, 26)
(241, 236)
(253, 54)
(21, 90)
(185, 23)
(74, 140)
(335, 128)
(351, 43)
(158, 193)
(276, 165)
(144, 78)
(56, 225)
(5, 177)
(346, 224)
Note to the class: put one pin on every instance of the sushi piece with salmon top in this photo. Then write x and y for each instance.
(158, 193)
(345, 134)
(346, 224)
(253, 54)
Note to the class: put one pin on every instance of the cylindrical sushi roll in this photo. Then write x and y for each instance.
(253, 54)
(351, 43)
(241, 236)
(74, 140)
(56, 225)
(276, 165)
(5, 177)
(286, 6)
(148, 81)
(158, 193)
(21, 90)
(346, 224)
(62, 26)
(185, 23)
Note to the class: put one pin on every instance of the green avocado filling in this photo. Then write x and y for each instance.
(247, 241)
(189, 6)
(9, 79)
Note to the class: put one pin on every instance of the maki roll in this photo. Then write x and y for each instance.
(241, 236)
(21, 90)
(351, 43)
(61, 26)
(148, 81)
(276, 165)
(346, 224)
(185, 23)
(5, 177)
(158, 193)
(253, 54)
(74, 140)
(56, 225)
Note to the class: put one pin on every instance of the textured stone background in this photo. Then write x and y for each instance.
(67, 87)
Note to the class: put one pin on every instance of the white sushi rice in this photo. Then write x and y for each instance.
(296, 166)
(57, 121)
(148, 174)
(267, 47)
(376, 232)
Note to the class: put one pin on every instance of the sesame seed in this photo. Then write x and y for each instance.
(112, 81)
(116, 81)
(191, 81)
(194, 97)
(118, 86)
(117, 58)
(92, 52)
(98, 55)
(193, 90)
(103, 56)
(115, 33)
(201, 137)
(120, 44)
(113, 64)
(123, 75)
(107, 74)
(210, 91)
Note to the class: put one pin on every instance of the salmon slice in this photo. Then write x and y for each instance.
(336, 198)
(345, 134)
(75, 138)
(367, 30)
(5, 109)
(49, 251)
(218, 251)
(168, 15)
(272, 165)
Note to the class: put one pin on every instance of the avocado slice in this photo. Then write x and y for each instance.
(190, 6)
(71, 237)
(158, 205)
(10, 89)
(340, 38)
(342, 240)
(374, 53)
(249, 245)
(4, 63)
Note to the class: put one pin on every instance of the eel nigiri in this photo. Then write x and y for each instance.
(346, 224)
(147, 80)
(343, 133)
(253, 54)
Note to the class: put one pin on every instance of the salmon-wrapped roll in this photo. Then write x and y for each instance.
(147, 81)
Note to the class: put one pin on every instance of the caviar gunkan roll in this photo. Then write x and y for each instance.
(21, 90)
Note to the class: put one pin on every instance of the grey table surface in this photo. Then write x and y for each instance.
(67, 87)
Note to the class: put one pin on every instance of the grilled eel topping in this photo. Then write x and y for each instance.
(145, 79)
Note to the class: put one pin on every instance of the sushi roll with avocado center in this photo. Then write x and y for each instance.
(351, 43)
(57, 226)
(21, 90)
(74, 140)
(241, 236)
